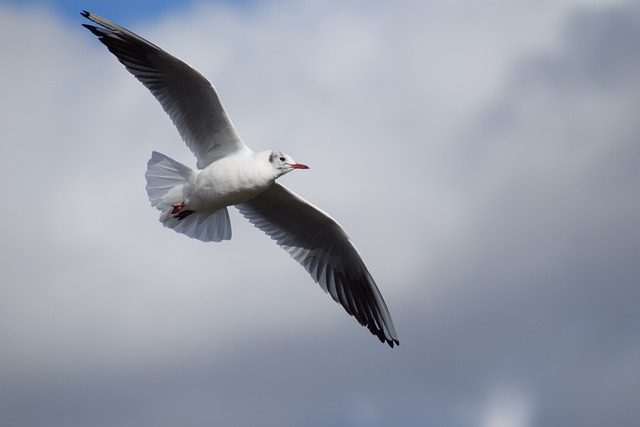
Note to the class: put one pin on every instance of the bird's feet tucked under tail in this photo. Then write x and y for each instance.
(166, 179)
(177, 207)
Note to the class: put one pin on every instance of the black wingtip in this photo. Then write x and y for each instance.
(89, 27)
(95, 30)
(391, 342)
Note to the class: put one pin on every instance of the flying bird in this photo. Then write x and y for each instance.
(194, 202)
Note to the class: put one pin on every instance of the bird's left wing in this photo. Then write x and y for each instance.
(324, 249)
(186, 95)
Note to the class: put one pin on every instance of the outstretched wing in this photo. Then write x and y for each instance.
(324, 249)
(185, 94)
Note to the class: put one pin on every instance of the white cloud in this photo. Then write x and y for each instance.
(507, 407)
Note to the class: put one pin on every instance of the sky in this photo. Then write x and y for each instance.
(482, 155)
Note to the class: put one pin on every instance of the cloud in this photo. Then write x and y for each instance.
(482, 159)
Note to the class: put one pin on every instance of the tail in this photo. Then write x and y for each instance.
(166, 179)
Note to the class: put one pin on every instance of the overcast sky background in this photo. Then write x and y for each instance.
(483, 155)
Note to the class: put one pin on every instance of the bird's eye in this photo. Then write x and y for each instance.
(282, 159)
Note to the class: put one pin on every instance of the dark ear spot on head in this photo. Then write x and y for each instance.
(271, 156)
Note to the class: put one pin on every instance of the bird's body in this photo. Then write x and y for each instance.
(230, 180)
(195, 202)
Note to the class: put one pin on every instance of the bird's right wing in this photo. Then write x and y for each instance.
(324, 249)
(184, 93)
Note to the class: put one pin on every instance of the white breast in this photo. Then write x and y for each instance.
(229, 181)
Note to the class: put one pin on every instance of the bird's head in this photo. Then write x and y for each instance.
(283, 163)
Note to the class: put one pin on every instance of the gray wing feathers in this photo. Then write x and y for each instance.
(324, 249)
(185, 95)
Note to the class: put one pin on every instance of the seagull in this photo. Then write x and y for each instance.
(194, 202)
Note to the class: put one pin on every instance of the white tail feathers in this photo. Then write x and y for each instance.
(204, 226)
(166, 179)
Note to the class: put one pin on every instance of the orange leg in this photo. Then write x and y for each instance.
(177, 207)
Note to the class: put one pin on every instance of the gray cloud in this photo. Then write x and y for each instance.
(500, 221)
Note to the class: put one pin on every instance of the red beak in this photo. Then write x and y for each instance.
(299, 166)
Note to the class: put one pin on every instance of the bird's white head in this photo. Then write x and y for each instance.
(283, 163)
